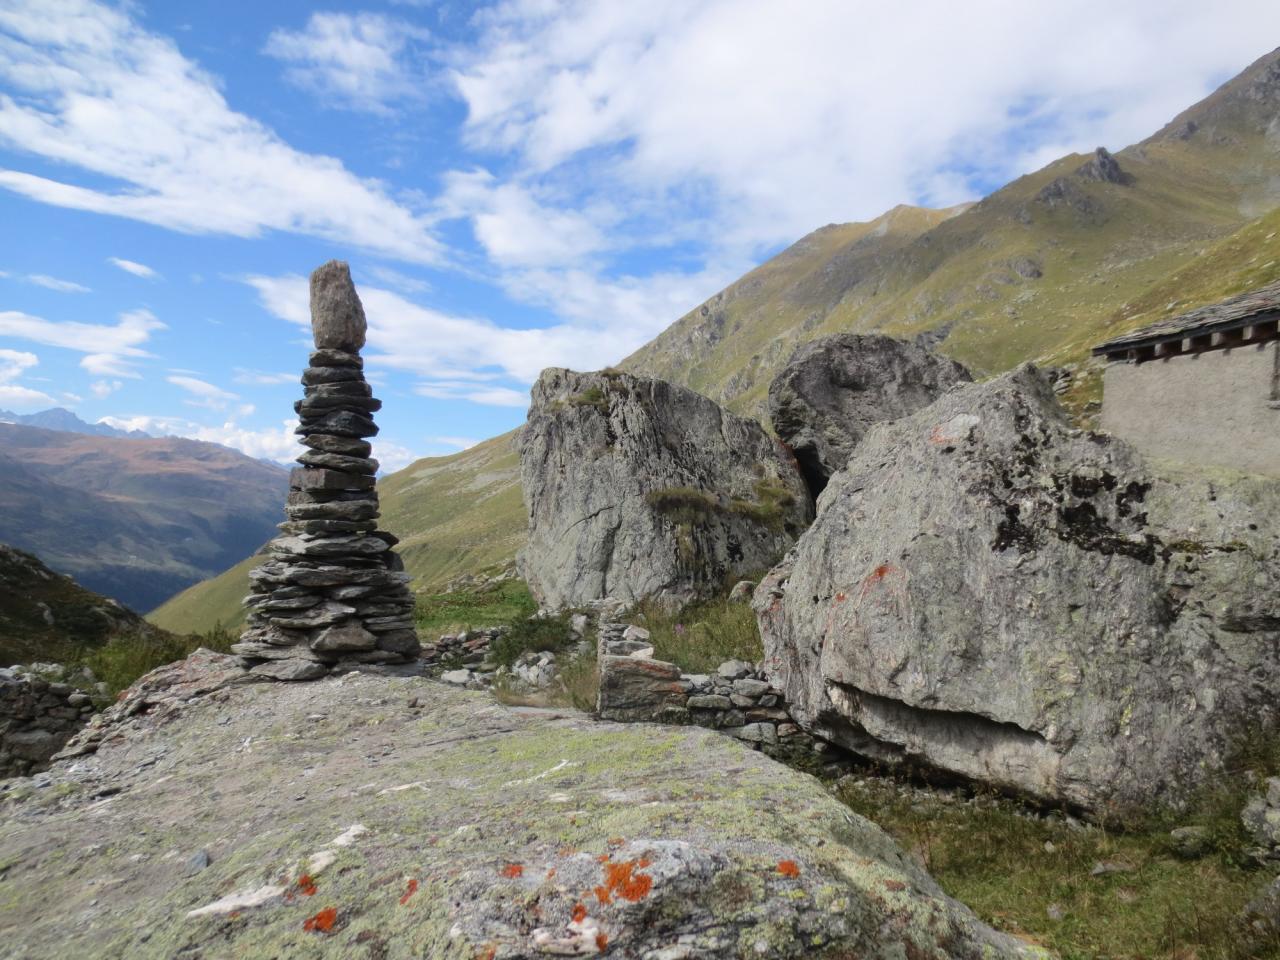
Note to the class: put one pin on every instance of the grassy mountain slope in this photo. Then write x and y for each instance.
(457, 514)
(1034, 271)
(1041, 270)
(134, 519)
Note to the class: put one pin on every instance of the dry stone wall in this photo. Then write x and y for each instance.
(39, 713)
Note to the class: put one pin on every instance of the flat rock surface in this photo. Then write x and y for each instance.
(339, 820)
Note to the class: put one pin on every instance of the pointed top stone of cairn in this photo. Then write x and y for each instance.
(337, 315)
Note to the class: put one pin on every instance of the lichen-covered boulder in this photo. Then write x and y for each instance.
(834, 388)
(637, 488)
(991, 592)
(367, 816)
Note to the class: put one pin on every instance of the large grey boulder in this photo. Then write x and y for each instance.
(366, 816)
(991, 592)
(834, 388)
(638, 488)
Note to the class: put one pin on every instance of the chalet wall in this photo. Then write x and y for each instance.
(1215, 407)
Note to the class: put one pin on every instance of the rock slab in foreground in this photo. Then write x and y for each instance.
(998, 595)
(834, 388)
(638, 488)
(457, 829)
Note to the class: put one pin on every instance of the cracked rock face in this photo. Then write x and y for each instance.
(995, 594)
(638, 488)
(834, 388)
(365, 816)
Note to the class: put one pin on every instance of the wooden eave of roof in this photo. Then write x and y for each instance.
(1255, 308)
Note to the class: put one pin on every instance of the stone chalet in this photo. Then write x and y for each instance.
(1203, 387)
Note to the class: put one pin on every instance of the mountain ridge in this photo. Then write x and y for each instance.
(135, 519)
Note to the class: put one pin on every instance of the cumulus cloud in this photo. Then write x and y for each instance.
(361, 61)
(100, 94)
(273, 443)
(466, 358)
(132, 266)
(110, 350)
(760, 121)
(104, 388)
(13, 364)
(203, 393)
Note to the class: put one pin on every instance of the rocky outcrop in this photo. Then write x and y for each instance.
(995, 594)
(334, 591)
(834, 388)
(364, 816)
(638, 488)
(1103, 168)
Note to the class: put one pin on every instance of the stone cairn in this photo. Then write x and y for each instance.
(333, 593)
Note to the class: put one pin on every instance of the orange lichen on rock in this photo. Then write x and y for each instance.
(412, 889)
(579, 912)
(601, 942)
(322, 922)
(512, 870)
(789, 868)
(306, 886)
(895, 885)
(620, 879)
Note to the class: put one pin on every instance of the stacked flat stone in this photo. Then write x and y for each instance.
(333, 593)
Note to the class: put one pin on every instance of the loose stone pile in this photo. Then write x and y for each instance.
(333, 593)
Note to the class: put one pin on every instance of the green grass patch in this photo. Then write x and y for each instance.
(507, 601)
(123, 659)
(703, 635)
(593, 396)
(771, 502)
(1033, 877)
(526, 635)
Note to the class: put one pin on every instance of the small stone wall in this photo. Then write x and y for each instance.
(737, 699)
(39, 713)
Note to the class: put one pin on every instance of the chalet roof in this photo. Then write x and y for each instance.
(1246, 309)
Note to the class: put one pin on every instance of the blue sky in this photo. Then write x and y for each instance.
(515, 185)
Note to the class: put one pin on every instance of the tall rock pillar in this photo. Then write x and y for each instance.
(333, 592)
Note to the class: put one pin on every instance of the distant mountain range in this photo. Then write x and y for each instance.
(62, 419)
(1082, 250)
(135, 519)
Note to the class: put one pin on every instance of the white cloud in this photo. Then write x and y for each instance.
(461, 357)
(276, 443)
(13, 364)
(104, 388)
(752, 122)
(514, 227)
(100, 94)
(402, 282)
(261, 379)
(460, 443)
(362, 61)
(132, 266)
(205, 394)
(53, 283)
(110, 350)
(392, 456)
